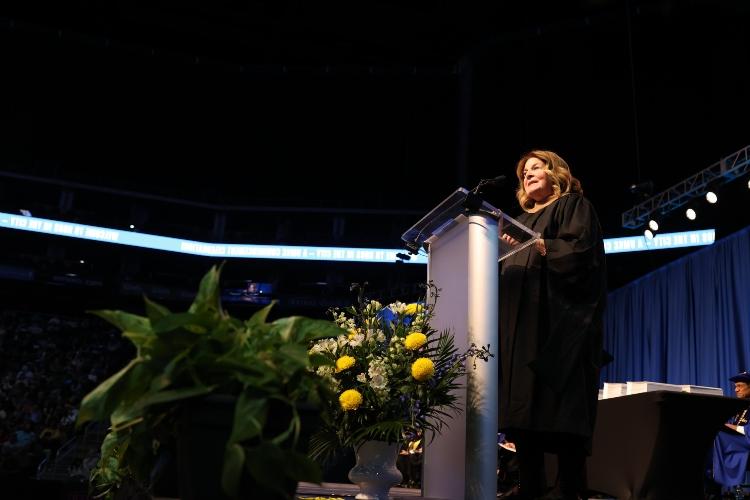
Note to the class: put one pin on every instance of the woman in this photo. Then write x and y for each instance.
(552, 301)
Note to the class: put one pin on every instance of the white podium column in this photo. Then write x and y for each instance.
(461, 462)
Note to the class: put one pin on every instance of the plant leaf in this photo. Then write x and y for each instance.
(95, 404)
(296, 354)
(126, 322)
(234, 460)
(172, 395)
(260, 317)
(208, 298)
(302, 329)
(300, 467)
(263, 462)
(249, 417)
(155, 311)
(193, 322)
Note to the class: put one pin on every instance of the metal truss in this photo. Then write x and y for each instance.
(725, 170)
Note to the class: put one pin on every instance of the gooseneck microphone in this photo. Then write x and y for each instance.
(495, 181)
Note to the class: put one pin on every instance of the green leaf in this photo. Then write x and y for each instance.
(231, 474)
(174, 368)
(155, 311)
(125, 416)
(317, 359)
(172, 395)
(95, 404)
(260, 317)
(300, 329)
(249, 417)
(266, 465)
(208, 297)
(126, 322)
(194, 322)
(300, 467)
(295, 353)
(142, 341)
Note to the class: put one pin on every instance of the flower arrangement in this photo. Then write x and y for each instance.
(394, 374)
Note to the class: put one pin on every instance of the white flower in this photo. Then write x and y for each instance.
(382, 395)
(379, 382)
(328, 373)
(361, 377)
(417, 322)
(397, 307)
(340, 318)
(325, 345)
(377, 373)
(373, 307)
(356, 340)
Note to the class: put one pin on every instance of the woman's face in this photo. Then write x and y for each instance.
(535, 180)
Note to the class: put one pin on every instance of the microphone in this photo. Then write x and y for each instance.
(495, 181)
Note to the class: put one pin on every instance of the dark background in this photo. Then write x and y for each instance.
(340, 124)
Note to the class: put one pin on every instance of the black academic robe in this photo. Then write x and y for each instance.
(551, 322)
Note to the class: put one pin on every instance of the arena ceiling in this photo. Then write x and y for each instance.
(378, 105)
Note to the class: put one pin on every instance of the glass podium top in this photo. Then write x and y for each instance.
(453, 210)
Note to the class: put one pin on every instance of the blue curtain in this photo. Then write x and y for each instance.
(686, 323)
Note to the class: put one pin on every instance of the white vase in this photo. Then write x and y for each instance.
(375, 471)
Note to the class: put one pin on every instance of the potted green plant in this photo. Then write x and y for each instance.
(256, 372)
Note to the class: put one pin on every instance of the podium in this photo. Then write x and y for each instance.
(461, 239)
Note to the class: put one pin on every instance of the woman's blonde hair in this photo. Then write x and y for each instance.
(558, 173)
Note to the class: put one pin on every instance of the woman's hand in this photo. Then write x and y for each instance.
(509, 239)
(540, 247)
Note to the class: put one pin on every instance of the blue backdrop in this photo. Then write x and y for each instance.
(686, 323)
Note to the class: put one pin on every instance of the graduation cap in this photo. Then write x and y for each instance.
(741, 377)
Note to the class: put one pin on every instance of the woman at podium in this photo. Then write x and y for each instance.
(551, 309)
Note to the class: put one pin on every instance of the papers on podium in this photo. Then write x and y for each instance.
(701, 389)
(646, 386)
(614, 389)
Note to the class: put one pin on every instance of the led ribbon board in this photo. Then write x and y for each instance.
(341, 254)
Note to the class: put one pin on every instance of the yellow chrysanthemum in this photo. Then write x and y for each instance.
(350, 400)
(415, 340)
(344, 363)
(422, 369)
(414, 308)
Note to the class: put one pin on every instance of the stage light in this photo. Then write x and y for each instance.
(642, 190)
(734, 166)
(690, 214)
(748, 184)
(653, 225)
(648, 234)
(131, 226)
(711, 197)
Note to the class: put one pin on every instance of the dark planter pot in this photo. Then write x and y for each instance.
(201, 439)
